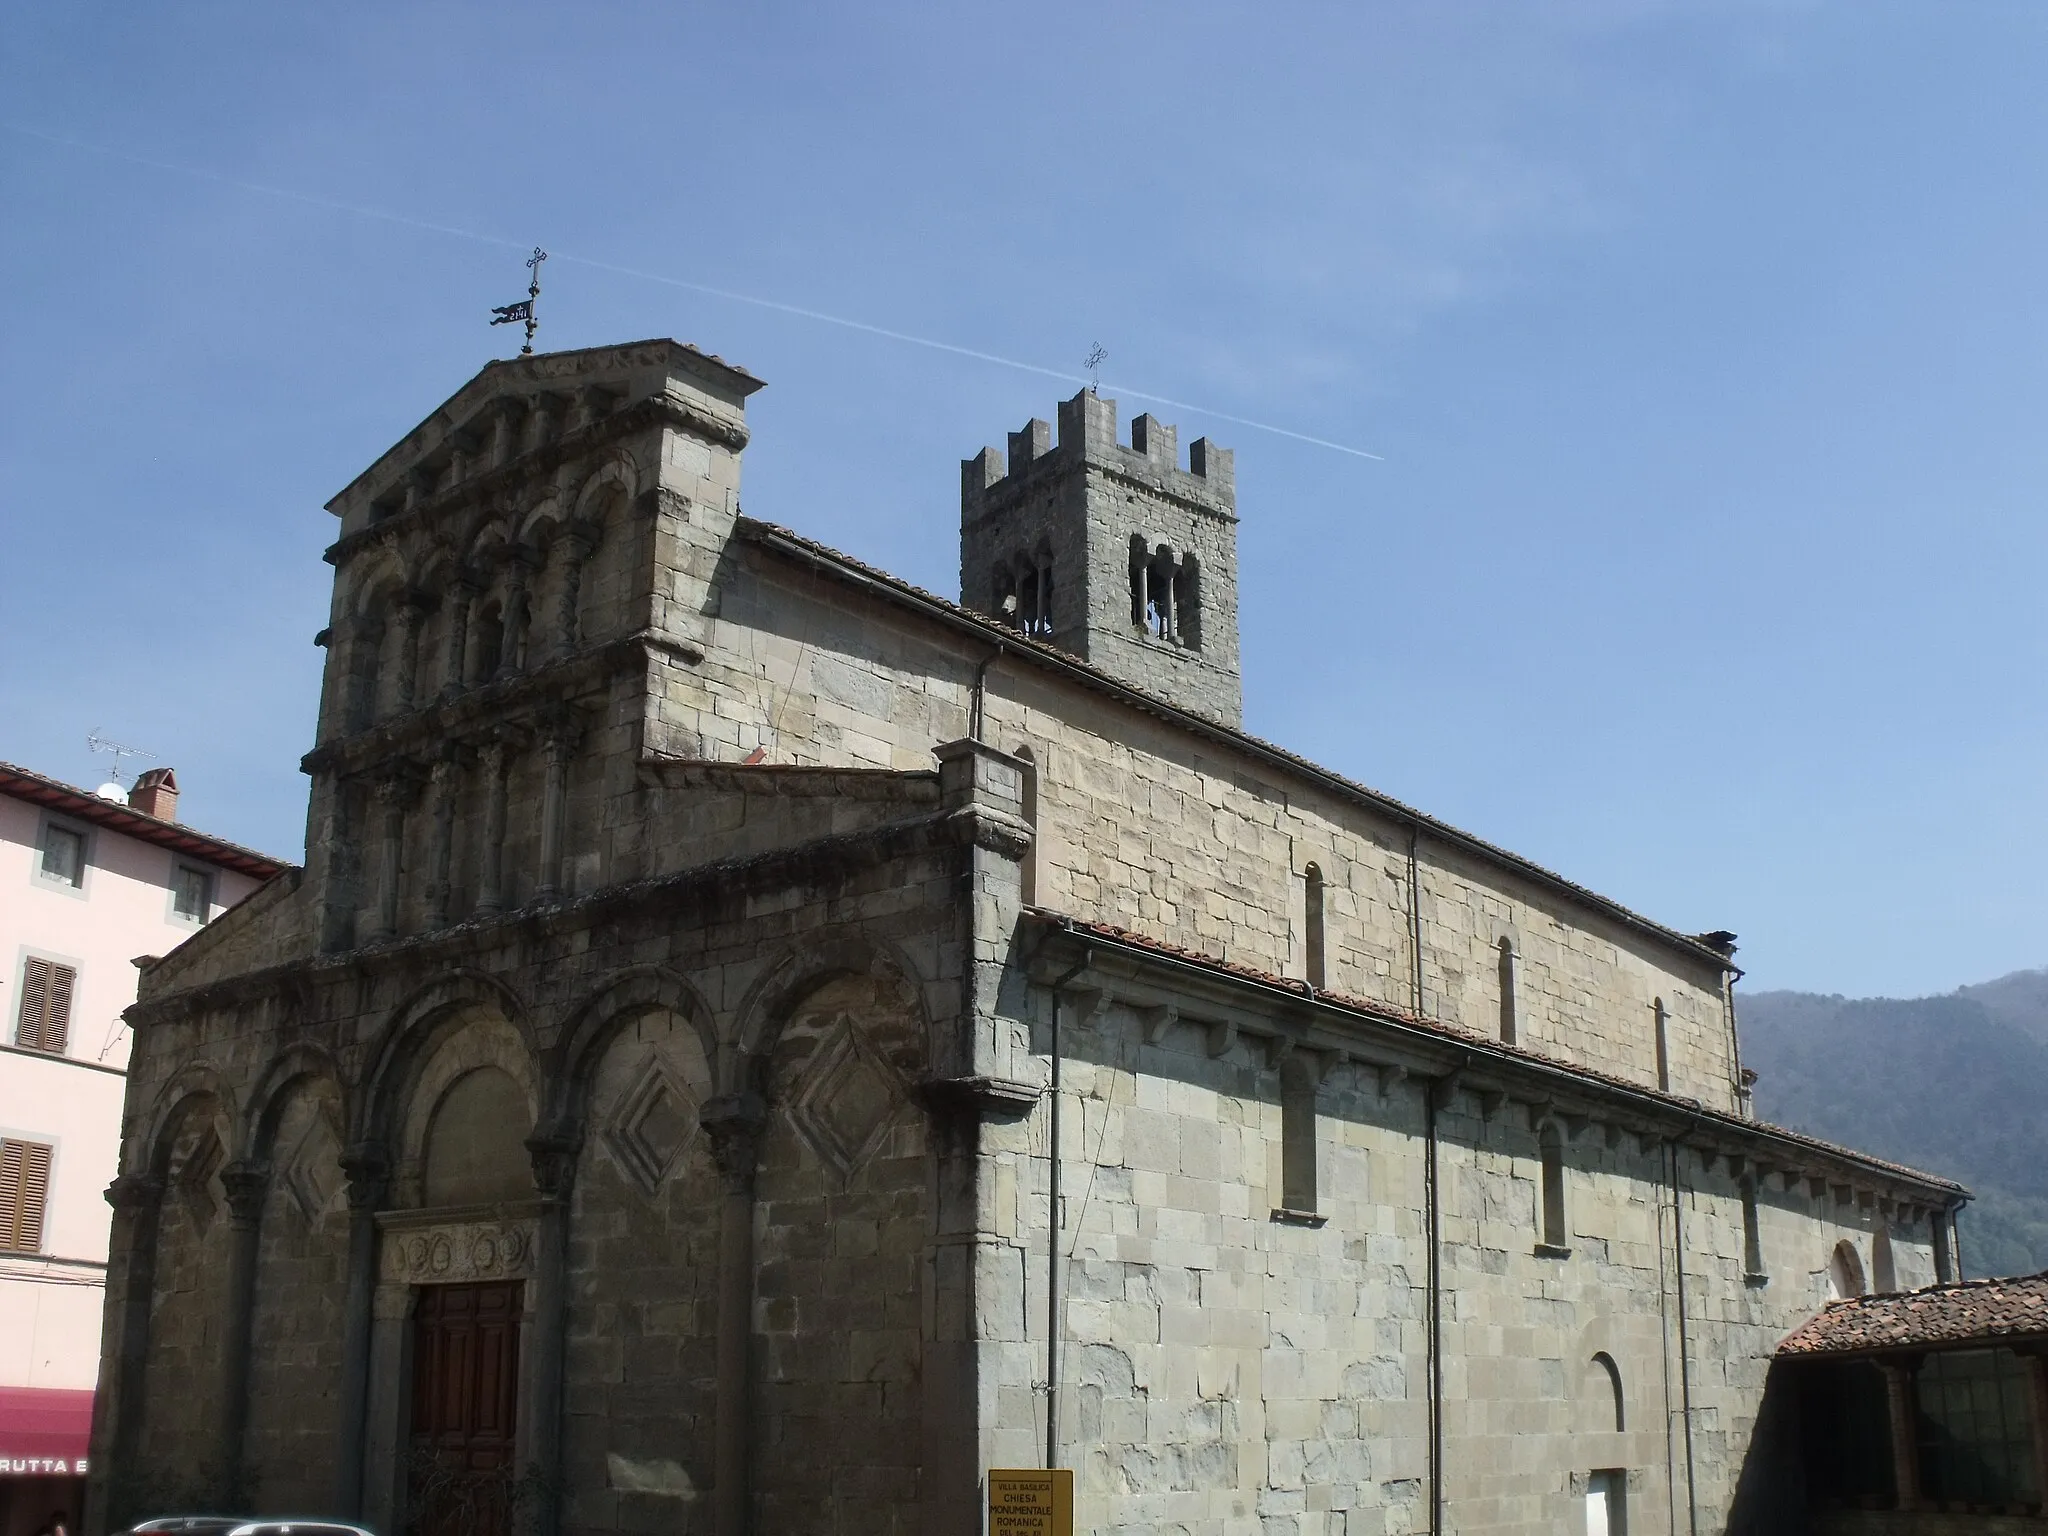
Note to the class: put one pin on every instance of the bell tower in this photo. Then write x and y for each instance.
(1114, 553)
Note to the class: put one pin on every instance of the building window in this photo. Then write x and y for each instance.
(1510, 966)
(191, 893)
(1556, 1231)
(1661, 1022)
(1845, 1272)
(1166, 594)
(63, 856)
(1884, 1274)
(1300, 1076)
(1312, 899)
(1752, 1236)
(1939, 1234)
(44, 1023)
(1974, 1431)
(1607, 1502)
(24, 1194)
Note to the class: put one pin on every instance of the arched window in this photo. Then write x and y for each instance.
(1884, 1274)
(1160, 598)
(1003, 592)
(1556, 1231)
(487, 644)
(1601, 1390)
(476, 1142)
(1510, 965)
(1660, 1022)
(1141, 565)
(365, 662)
(1187, 603)
(1845, 1272)
(1312, 882)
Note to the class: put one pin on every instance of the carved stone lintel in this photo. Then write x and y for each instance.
(734, 1122)
(246, 1183)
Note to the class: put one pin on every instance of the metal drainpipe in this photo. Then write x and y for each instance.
(1434, 1335)
(1692, 1512)
(1052, 1240)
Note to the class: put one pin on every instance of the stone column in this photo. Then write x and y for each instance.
(368, 1172)
(554, 807)
(442, 780)
(490, 885)
(518, 611)
(1900, 1411)
(734, 1122)
(554, 1174)
(576, 541)
(246, 1183)
(461, 597)
(393, 793)
(124, 1353)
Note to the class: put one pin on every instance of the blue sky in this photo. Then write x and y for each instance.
(1703, 345)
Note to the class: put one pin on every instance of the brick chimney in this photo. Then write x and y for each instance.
(156, 794)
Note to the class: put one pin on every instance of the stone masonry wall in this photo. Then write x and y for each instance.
(1226, 1372)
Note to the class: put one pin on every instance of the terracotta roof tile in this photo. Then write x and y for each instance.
(1967, 1312)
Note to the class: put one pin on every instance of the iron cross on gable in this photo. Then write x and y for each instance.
(513, 314)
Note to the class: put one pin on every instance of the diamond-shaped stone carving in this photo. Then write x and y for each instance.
(312, 1170)
(197, 1174)
(846, 1098)
(651, 1130)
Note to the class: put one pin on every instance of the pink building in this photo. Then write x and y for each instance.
(88, 884)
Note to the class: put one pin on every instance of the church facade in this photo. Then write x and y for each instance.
(755, 1045)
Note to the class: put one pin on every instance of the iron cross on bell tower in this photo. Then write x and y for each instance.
(512, 314)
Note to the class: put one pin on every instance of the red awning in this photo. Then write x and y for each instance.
(44, 1431)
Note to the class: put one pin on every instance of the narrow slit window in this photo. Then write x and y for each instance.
(1752, 1236)
(1298, 1081)
(44, 1023)
(1312, 902)
(1556, 1232)
(1510, 966)
(1660, 1021)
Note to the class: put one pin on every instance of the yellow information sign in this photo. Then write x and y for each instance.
(1030, 1501)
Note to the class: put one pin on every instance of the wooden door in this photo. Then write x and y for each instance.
(465, 1409)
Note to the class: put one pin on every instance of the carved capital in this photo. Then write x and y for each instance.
(734, 1122)
(368, 1170)
(135, 1194)
(246, 1182)
(554, 1163)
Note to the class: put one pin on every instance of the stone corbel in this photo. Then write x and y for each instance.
(1387, 1077)
(1491, 1101)
(1612, 1133)
(1221, 1037)
(1157, 1021)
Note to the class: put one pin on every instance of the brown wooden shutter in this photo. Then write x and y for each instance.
(24, 1194)
(46, 989)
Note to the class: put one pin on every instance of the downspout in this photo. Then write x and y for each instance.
(1955, 1237)
(1052, 1238)
(1692, 1512)
(1433, 1335)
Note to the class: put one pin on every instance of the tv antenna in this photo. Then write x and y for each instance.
(95, 742)
(1093, 363)
(512, 314)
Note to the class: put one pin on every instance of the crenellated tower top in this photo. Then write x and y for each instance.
(1113, 551)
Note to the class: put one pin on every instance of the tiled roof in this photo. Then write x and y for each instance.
(773, 534)
(117, 816)
(1483, 1043)
(1964, 1313)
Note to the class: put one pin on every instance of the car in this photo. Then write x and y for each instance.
(242, 1525)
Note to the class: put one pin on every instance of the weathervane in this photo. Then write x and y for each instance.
(512, 314)
(1093, 363)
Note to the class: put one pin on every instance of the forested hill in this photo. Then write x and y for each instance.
(1955, 1085)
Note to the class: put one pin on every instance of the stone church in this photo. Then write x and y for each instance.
(755, 1045)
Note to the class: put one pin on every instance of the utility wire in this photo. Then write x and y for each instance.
(384, 215)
